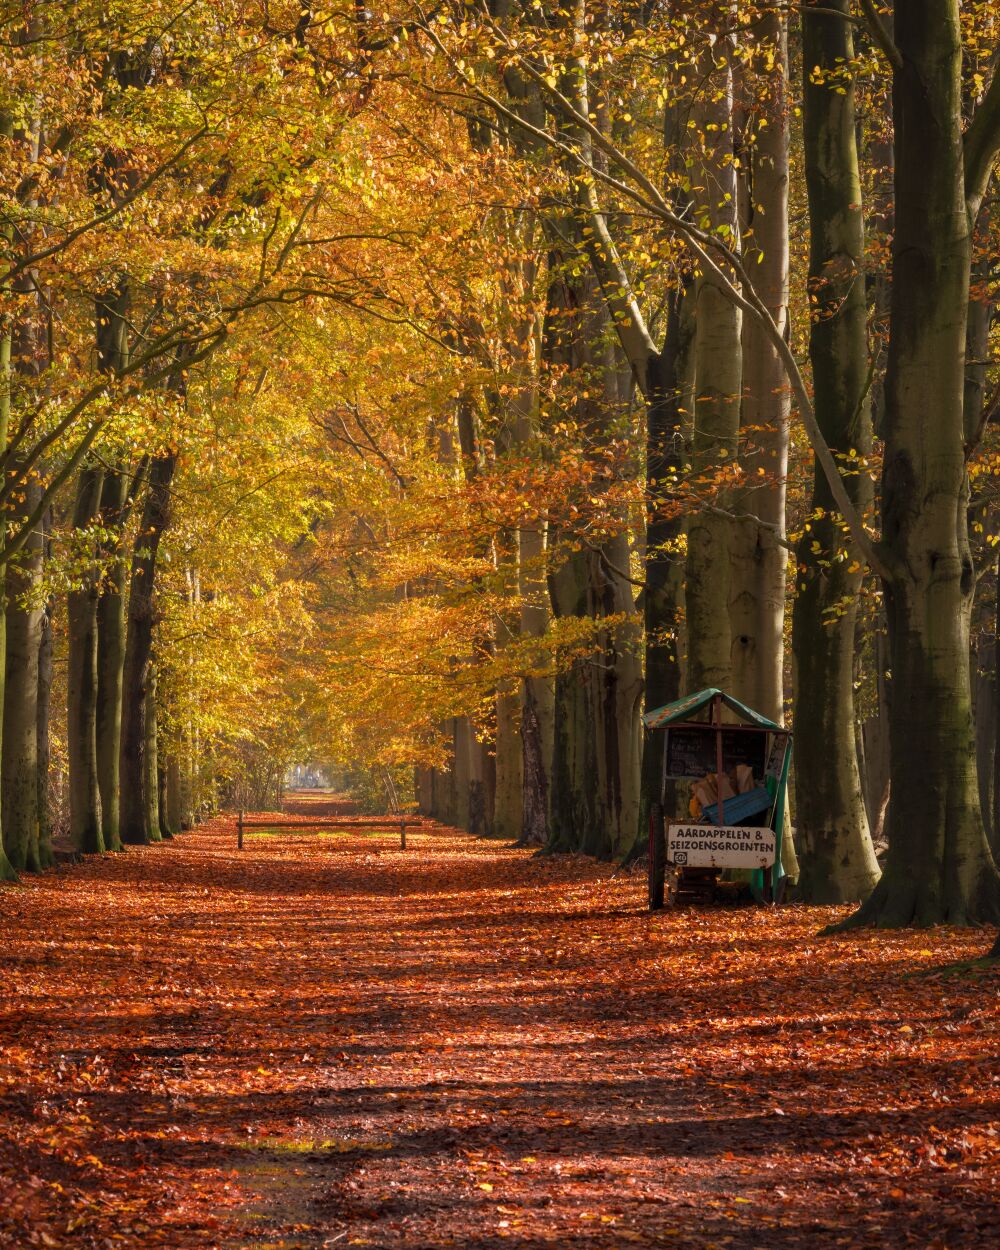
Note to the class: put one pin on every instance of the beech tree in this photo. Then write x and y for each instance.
(836, 853)
(939, 865)
(916, 881)
(485, 332)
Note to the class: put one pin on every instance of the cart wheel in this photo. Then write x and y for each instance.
(657, 856)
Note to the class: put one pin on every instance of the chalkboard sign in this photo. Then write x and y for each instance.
(691, 750)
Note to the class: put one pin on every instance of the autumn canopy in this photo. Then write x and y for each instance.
(409, 400)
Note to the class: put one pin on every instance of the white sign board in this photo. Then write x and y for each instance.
(720, 846)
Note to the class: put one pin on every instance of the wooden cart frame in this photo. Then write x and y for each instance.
(720, 742)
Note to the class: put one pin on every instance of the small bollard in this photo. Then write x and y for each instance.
(402, 834)
(239, 831)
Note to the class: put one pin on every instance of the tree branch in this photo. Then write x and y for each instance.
(28, 262)
(879, 32)
(706, 247)
(982, 144)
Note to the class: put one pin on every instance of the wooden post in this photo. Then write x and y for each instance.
(239, 831)
(657, 855)
(402, 832)
(720, 811)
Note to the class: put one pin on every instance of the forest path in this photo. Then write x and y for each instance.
(323, 1041)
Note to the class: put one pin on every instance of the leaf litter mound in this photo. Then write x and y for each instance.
(325, 1041)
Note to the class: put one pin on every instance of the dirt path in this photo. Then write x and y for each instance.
(326, 1041)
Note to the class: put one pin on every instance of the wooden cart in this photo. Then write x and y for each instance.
(712, 735)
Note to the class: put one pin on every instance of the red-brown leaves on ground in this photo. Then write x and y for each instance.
(325, 1040)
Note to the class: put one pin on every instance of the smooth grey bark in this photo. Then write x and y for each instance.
(472, 780)
(109, 609)
(760, 561)
(151, 771)
(111, 654)
(875, 738)
(994, 823)
(939, 867)
(594, 800)
(20, 812)
(984, 684)
(537, 690)
(837, 859)
(487, 784)
(663, 590)
(43, 707)
(7, 871)
(718, 367)
(163, 798)
(138, 688)
(21, 572)
(174, 805)
(22, 355)
(81, 683)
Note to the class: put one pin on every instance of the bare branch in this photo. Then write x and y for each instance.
(880, 33)
(982, 145)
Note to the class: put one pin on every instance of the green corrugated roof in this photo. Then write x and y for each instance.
(681, 709)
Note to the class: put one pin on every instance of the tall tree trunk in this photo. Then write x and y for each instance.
(20, 705)
(191, 737)
(488, 787)
(994, 823)
(163, 799)
(22, 354)
(112, 357)
(151, 777)
(43, 707)
(506, 816)
(664, 588)
(939, 867)
(138, 694)
(757, 601)
(7, 870)
(19, 817)
(837, 859)
(984, 684)
(718, 378)
(875, 736)
(111, 659)
(173, 806)
(537, 692)
(576, 807)
(473, 783)
(81, 684)
(596, 750)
